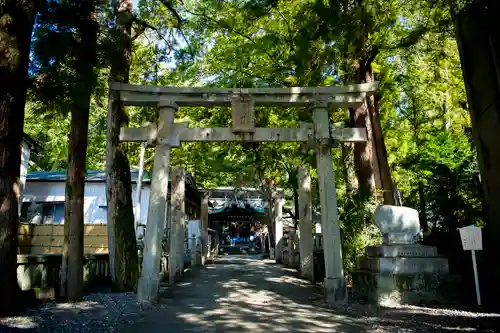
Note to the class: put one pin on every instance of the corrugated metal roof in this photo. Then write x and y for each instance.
(92, 176)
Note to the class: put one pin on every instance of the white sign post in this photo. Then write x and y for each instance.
(472, 241)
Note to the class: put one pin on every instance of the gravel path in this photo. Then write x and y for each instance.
(241, 294)
(100, 312)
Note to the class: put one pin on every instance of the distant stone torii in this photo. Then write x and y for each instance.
(164, 134)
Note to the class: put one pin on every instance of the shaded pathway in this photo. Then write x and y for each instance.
(244, 294)
(240, 294)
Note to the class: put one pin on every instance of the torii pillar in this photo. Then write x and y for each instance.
(149, 282)
(306, 245)
(177, 224)
(335, 283)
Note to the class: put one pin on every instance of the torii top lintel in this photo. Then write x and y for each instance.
(336, 96)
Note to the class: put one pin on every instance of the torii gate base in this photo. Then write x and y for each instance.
(166, 135)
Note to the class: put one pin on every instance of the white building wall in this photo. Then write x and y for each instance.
(94, 200)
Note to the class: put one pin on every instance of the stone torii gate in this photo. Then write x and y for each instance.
(165, 134)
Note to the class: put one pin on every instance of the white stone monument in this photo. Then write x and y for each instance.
(400, 270)
(398, 225)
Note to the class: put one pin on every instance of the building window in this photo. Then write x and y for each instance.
(43, 212)
(53, 213)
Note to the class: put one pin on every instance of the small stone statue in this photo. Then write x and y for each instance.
(398, 224)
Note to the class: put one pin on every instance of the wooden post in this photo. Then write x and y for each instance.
(177, 198)
(149, 281)
(335, 283)
(306, 245)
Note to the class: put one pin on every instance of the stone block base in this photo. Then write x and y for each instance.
(386, 289)
(335, 291)
(405, 265)
(148, 288)
(196, 259)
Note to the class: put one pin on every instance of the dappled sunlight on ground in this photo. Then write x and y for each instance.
(99, 312)
(241, 294)
(20, 322)
(247, 294)
(244, 294)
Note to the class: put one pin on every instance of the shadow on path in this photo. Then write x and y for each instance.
(243, 294)
(246, 294)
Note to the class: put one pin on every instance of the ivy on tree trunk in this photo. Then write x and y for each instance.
(121, 230)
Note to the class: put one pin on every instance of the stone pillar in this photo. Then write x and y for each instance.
(291, 248)
(216, 246)
(277, 199)
(306, 244)
(195, 248)
(149, 282)
(177, 199)
(262, 244)
(335, 283)
(204, 228)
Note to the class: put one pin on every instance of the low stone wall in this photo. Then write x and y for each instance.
(49, 238)
(41, 273)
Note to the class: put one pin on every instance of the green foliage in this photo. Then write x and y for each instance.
(452, 193)
(61, 56)
(355, 212)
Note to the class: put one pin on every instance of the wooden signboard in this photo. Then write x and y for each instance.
(471, 238)
(472, 241)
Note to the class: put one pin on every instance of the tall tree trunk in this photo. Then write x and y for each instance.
(348, 162)
(385, 177)
(16, 25)
(371, 163)
(72, 265)
(479, 48)
(122, 237)
(363, 151)
(72, 277)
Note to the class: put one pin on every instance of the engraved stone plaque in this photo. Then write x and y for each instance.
(243, 113)
(406, 250)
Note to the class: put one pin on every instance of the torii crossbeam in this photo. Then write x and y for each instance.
(164, 134)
